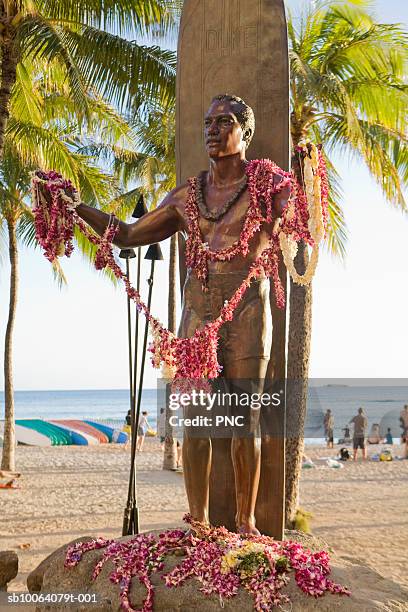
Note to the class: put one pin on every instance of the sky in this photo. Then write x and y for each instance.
(76, 337)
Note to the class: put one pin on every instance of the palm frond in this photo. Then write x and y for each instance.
(337, 234)
(88, 251)
(44, 148)
(122, 71)
(349, 92)
(108, 124)
(123, 205)
(38, 38)
(26, 230)
(137, 17)
(58, 273)
(383, 151)
(26, 103)
(3, 240)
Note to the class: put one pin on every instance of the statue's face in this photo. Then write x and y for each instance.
(222, 131)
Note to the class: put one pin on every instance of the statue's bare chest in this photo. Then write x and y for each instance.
(227, 229)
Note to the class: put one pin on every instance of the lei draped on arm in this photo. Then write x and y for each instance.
(303, 218)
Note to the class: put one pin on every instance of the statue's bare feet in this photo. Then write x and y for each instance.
(197, 533)
(248, 529)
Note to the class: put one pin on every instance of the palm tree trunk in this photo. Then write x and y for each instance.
(8, 457)
(170, 444)
(9, 61)
(300, 325)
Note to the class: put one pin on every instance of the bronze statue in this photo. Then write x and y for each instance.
(245, 342)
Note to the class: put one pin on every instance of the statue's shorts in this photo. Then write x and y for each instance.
(249, 334)
(244, 346)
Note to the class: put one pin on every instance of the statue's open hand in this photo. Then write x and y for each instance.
(69, 193)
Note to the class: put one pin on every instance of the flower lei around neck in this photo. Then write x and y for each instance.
(304, 218)
(220, 560)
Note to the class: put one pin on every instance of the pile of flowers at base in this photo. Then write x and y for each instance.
(220, 560)
(304, 218)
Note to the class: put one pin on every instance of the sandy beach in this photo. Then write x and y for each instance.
(66, 492)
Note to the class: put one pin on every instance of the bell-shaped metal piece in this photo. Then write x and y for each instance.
(140, 208)
(154, 253)
(127, 254)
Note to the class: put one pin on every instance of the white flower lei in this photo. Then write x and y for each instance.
(289, 247)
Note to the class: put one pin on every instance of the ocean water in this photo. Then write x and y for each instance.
(107, 405)
(382, 405)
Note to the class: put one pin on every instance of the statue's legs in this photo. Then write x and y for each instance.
(246, 376)
(196, 451)
(197, 469)
(244, 351)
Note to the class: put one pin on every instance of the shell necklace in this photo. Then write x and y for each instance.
(211, 215)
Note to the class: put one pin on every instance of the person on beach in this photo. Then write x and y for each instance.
(346, 439)
(374, 437)
(360, 427)
(404, 425)
(179, 463)
(127, 428)
(161, 427)
(388, 437)
(141, 431)
(128, 422)
(328, 423)
(404, 422)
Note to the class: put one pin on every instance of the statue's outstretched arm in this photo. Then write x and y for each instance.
(155, 226)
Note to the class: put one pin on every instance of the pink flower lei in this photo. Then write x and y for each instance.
(298, 225)
(268, 563)
(195, 358)
(262, 187)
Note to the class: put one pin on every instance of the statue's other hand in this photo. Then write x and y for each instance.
(45, 194)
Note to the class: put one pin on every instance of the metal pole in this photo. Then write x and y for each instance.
(131, 387)
(139, 211)
(133, 524)
(129, 254)
(136, 342)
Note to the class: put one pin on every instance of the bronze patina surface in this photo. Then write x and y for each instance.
(239, 47)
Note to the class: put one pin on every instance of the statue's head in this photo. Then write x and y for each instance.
(229, 126)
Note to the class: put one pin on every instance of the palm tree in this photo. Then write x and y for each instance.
(45, 131)
(348, 93)
(87, 39)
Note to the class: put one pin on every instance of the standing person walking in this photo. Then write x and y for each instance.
(141, 431)
(360, 427)
(404, 421)
(404, 425)
(127, 428)
(328, 423)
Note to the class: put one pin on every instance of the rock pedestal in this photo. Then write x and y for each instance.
(370, 591)
(8, 568)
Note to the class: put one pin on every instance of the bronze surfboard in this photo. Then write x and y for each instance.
(238, 47)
